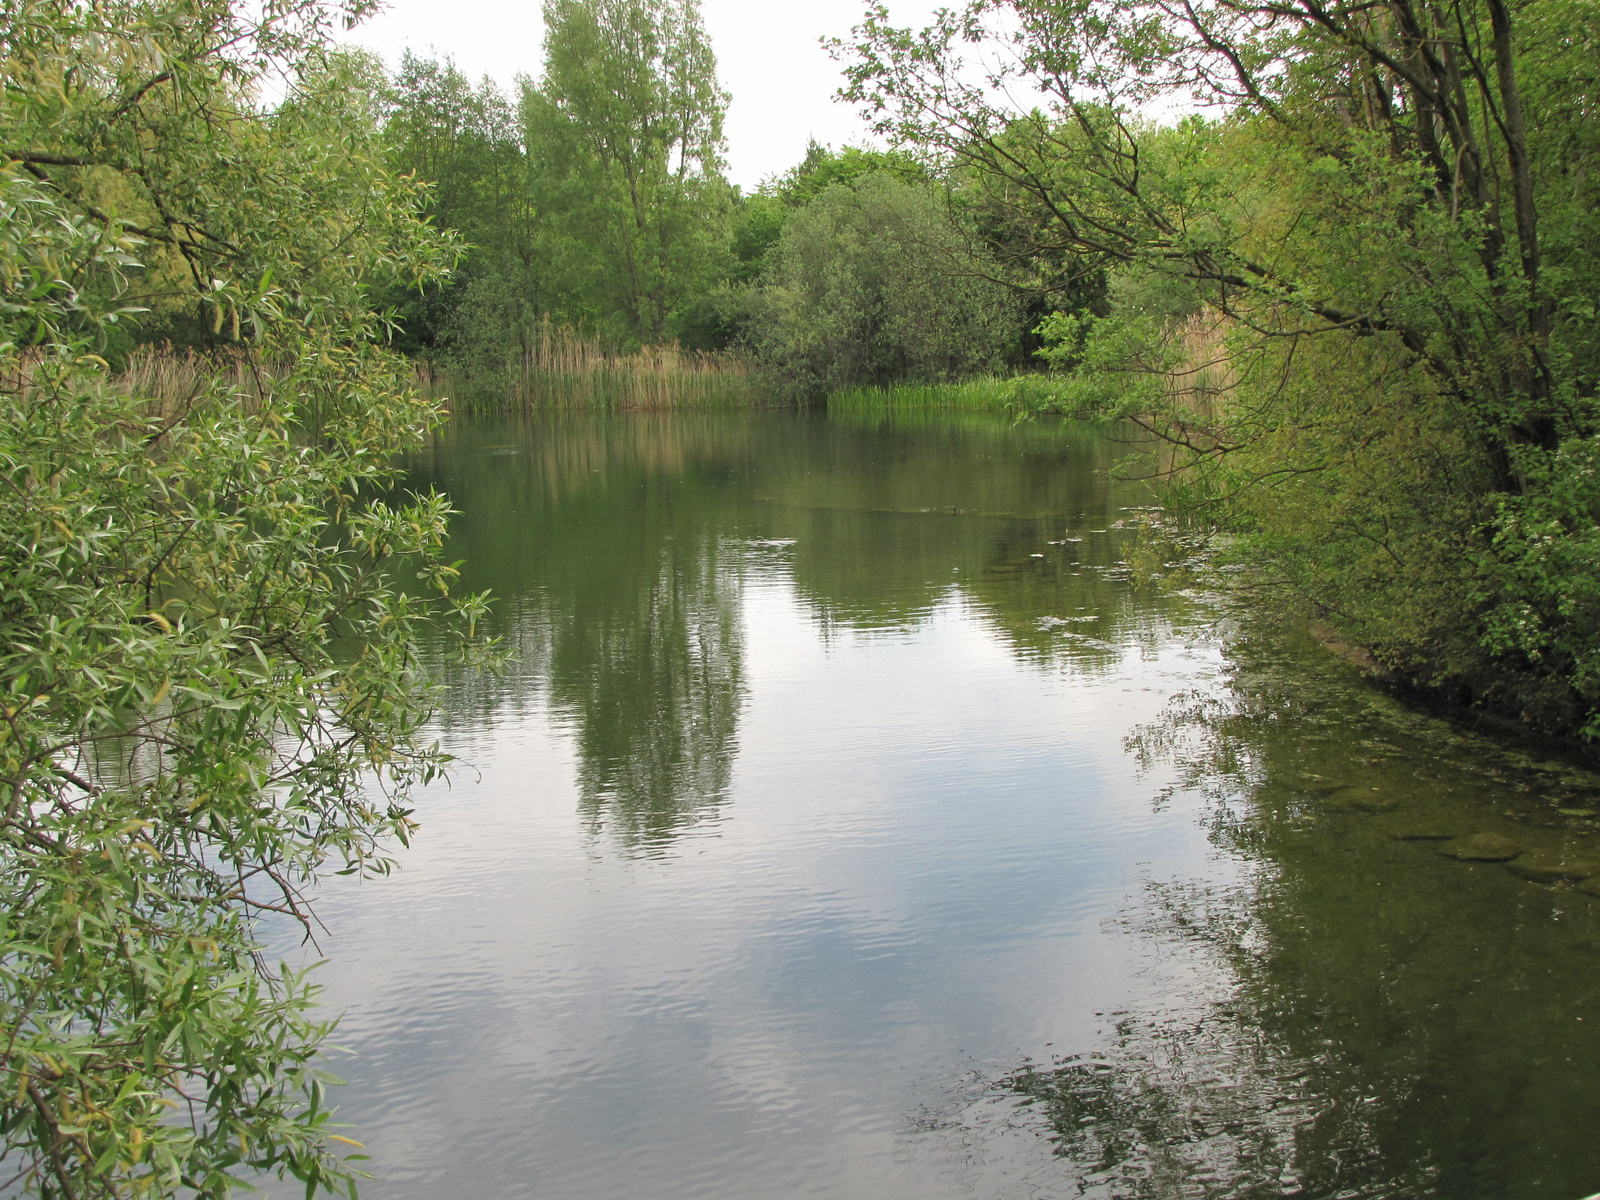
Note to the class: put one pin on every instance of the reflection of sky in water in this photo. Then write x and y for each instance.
(922, 839)
(807, 820)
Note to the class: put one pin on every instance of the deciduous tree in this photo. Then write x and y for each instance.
(209, 688)
(625, 130)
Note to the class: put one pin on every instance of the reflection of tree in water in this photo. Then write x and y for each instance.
(1363, 1016)
(647, 672)
(1206, 1099)
(654, 693)
(601, 540)
(596, 535)
(896, 515)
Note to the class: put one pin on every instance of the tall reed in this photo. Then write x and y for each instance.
(171, 381)
(1205, 373)
(985, 394)
(564, 368)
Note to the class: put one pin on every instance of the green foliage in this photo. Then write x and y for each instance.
(625, 128)
(245, 217)
(1541, 591)
(209, 691)
(464, 141)
(824, 167)
(756, 222)
(872, 285)
(596, 199)
(1357, 303)
(758, 219)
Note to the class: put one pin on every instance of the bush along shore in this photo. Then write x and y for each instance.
(209, 682)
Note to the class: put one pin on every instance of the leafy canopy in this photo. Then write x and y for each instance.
(1354, 291)
(209, 685)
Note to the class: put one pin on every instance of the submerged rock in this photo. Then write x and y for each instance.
(1482, 847)
(1360, 799)
(1544, 866)
(1423, 833)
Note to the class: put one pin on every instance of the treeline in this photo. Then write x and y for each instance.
(594, 197)
(591, 200)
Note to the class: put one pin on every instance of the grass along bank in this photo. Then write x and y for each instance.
(983, 394)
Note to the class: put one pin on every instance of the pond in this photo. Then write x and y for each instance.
(853, 822)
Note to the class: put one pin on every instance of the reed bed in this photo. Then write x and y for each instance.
(1206, 373)
(559, 369)
(985, 394)
(163, 373)
(567, 369)
(172, 380)
(167, 380)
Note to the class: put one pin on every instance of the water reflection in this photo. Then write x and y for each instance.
(805, 856)
(1366, 1015)
(620, 547)
(653, 692)
(616, 597)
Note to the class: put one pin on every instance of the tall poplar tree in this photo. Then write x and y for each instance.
(625, 130)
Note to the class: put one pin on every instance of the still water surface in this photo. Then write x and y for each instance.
(852, 825)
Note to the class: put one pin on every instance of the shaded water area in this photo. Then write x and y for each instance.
(854, 824)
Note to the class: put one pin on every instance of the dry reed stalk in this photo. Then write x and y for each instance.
(1206, 372)
(17, 376)
(569, 368)
(171, 380)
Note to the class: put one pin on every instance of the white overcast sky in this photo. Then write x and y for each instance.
(768, 58)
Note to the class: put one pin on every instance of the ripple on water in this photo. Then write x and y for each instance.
(819, 847)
